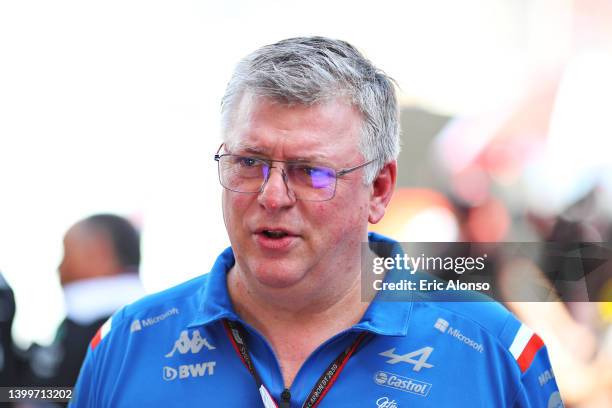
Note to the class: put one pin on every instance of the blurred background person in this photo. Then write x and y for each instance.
(98, 274)
(8, 360)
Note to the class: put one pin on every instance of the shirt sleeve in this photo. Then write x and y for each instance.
(538, 387)
(84, 391)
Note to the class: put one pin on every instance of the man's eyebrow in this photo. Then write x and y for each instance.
(247, 148)
(315, 158)
(256, 150)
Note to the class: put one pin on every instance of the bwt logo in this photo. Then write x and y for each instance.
(189, 370)
(441, 325)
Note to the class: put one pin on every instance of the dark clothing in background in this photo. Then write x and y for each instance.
(54, 365)
(58, 364)
(8, 359)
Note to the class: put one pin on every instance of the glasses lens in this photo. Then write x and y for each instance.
(315, 183)
(247, 175)
(242, 174)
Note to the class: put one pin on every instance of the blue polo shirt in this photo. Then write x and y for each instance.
(171, 349)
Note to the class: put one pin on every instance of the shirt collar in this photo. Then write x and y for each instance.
(215, 303)
(384, 317)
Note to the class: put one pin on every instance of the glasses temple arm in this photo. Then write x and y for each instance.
(218, 150)
(349, 170)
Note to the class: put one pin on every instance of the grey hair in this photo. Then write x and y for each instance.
(309, 70)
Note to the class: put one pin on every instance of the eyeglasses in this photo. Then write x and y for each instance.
(307, 181)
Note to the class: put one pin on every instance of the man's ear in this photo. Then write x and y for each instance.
(383, 187)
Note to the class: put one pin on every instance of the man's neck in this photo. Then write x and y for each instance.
(305, 309)
(293, 327)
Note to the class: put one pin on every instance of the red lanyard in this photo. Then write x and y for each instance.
(237, 337)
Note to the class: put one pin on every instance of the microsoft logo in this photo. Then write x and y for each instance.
(441, 325)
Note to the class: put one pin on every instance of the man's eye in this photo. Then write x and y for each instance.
(307, 170)
(247, 161)
(315, 171)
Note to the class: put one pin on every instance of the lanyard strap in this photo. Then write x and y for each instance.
(237, 337)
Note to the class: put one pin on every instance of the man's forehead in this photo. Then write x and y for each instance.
(300, 153)
(83, 233)
(306, 131)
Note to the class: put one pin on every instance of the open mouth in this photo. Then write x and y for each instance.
(274, 234)
(276, 238)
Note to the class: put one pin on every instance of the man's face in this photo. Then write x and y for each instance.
(76, 260)
(319, 240)
(86, 255)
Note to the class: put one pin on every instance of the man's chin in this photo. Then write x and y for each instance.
(278, 278)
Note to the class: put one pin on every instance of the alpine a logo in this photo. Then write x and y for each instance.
(184, 344)
(410, 358)
(398, 382)
(206, 368)
(444, 327)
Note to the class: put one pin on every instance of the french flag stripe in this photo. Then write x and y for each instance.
(526, 357)
(525, 346)
(101, 333)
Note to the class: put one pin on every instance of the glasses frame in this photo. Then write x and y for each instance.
(337, 173)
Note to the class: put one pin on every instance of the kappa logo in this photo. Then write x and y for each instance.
(385, 402)
(401, 383)
(189, 370)
(184, 344)
(409, 358)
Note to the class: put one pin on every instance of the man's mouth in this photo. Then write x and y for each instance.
(276, 238)
(274, 234)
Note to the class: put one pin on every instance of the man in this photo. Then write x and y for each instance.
(99, 274)
(310, 131)
(8, 360)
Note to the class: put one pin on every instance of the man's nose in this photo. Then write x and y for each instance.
(275, 192)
